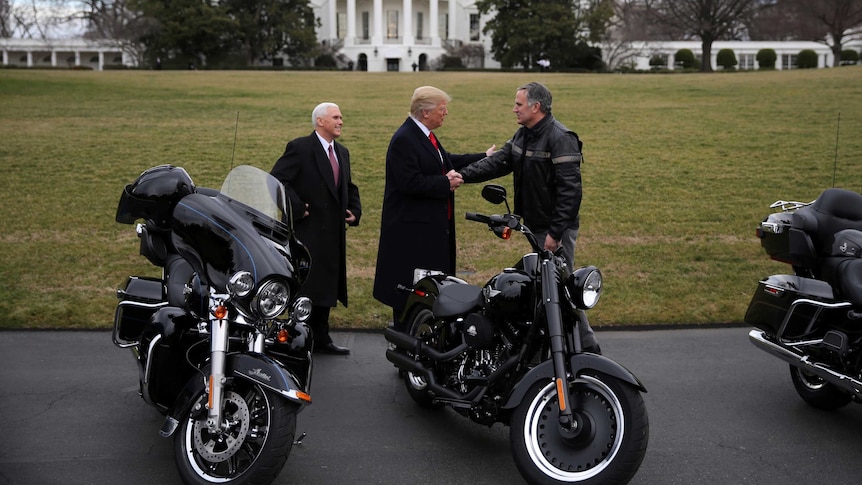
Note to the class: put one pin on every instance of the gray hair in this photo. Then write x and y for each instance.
(320, 111)
(538, 93)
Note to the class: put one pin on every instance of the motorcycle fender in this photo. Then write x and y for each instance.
(578, 364)
(425, 292)
(257, 368)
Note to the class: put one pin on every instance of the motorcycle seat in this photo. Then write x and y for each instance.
(457, 300)
(845, 275)
(814, 227)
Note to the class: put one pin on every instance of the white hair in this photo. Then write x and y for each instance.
(320, 111)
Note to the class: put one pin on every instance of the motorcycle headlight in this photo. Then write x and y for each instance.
(301, 309)
(241, 284)
(271, 299)
(584, 287)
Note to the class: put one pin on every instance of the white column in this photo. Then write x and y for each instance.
(53, 58)
(77, 58)
(377, 33)
(433, 25)
(29, 59)
(101, 61)
(453, 34)
(5, 57)
(351, 23)
(407, 36)
(333, 21)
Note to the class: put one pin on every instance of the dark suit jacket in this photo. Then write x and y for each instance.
(415, 228)
(305, 171)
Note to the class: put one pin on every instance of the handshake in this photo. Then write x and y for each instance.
(455, 179)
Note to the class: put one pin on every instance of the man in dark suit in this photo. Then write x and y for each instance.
(417, 228)
(315, 171)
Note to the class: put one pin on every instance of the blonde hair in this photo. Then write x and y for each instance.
(426, 98)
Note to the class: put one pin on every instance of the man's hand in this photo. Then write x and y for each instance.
(455, 179)
(551, 244)
(349, 218)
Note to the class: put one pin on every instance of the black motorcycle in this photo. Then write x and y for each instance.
(812, 319)
(511, 352)
(219, 338)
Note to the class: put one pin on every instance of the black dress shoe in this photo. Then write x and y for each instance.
(331, 348)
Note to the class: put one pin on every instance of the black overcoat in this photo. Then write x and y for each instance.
(415, 228)
(305, 171)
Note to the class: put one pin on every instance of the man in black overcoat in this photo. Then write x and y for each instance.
(324, 202)
(417, 227)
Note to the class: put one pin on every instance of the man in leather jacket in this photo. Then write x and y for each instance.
(544, 158)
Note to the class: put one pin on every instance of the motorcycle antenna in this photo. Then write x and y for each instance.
(235, 130)
(835, 161)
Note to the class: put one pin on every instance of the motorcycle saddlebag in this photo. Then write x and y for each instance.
(775, 296)
(138, 301)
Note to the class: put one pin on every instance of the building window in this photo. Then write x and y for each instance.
(392, 24)
(419, 29)
(366, 34)
(474, 26)
(746, 61)
(788, 61)
(341, 25)
(443, 26)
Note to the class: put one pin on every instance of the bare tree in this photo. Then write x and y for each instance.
(34, 19)
(116, 22)
(829, 21)
(708, 20)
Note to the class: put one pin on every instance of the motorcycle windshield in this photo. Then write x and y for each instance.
(256, 189)
(238, 229)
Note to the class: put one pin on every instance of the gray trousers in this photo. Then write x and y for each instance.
(588, 336)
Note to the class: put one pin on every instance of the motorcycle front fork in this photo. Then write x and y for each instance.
(551, 298)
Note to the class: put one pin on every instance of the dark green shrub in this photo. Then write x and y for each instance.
(726, 59)
(325, 60)
(658, 61)
(452, 62)
(849, 57)
(807, 59)
(766, 58)
(685, 58)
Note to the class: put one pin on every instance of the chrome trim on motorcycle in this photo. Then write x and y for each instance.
(803, 362)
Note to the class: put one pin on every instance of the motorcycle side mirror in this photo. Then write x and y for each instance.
(495, 194)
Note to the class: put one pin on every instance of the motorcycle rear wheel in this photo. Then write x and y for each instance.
(422, 328)
(609, 450)
(252, 450)
(817, 392)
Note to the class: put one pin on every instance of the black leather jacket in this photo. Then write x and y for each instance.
(546, 165)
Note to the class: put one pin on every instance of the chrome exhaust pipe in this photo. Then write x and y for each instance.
(802, 361)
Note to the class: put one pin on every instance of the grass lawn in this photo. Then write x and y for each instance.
(679, 170)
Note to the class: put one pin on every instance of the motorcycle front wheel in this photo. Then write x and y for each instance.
(613, 431)
(252, 449)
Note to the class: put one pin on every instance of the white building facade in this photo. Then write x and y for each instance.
(395, 35)
(62, 53)
(639, 54)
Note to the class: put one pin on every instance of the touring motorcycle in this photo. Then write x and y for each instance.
(220, 339)
(510, 352)
(812, 318)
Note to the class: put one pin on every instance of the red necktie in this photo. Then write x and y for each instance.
(437, 146)
(334, 163)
